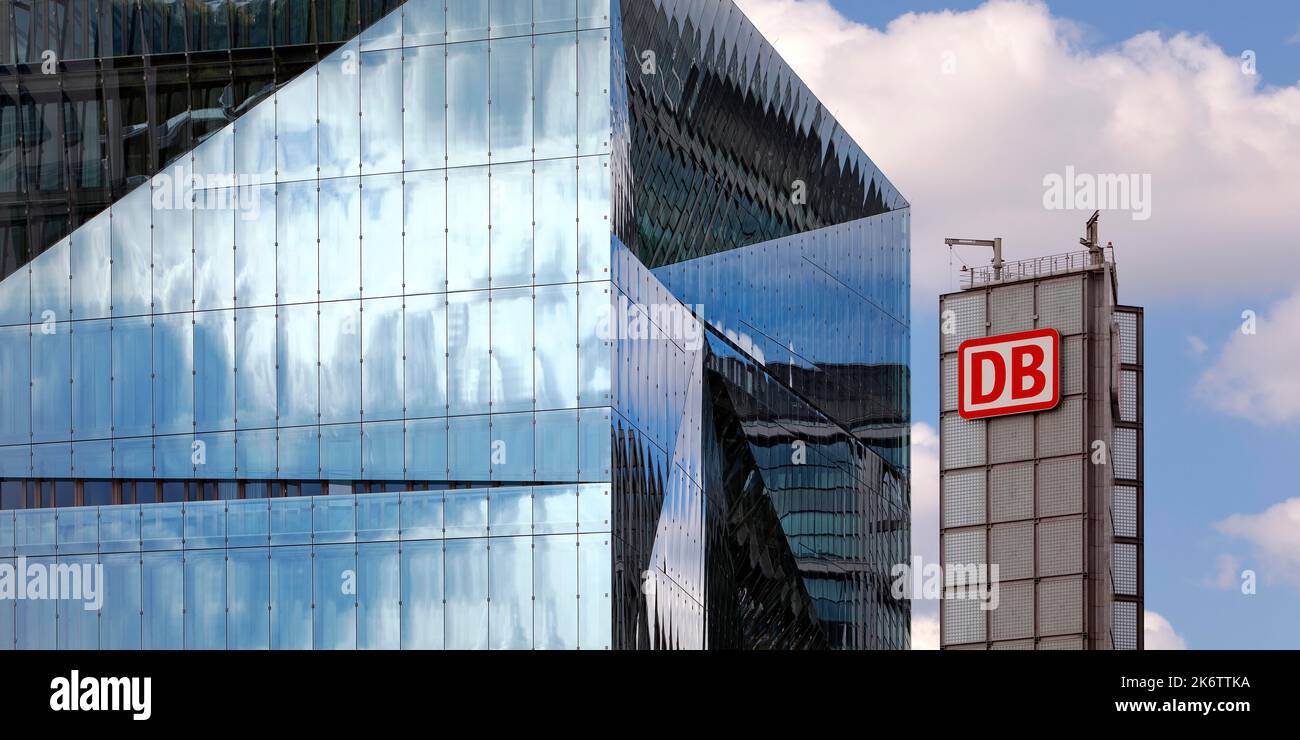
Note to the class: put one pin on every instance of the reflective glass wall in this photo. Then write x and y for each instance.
(506, 568)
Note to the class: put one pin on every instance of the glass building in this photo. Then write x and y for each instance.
(506, 324)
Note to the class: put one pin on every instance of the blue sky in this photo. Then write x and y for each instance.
(1205, 462)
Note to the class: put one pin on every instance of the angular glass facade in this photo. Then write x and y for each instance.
(479, 255)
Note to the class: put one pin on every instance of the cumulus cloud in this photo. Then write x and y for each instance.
(1196, 347)
(968, 112)
(1255, 374)
(1274, 534)
(925, 632)
(1227, 572)
(925, 528)
(1159, 634)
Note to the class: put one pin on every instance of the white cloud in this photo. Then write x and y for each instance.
(1227, 572)
(925, 632)
(1275, 536)
(1196, 346)
(970, 149)
(1158, 634)
(1255, 375)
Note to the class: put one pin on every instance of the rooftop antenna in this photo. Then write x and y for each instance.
(1090, 239)
(997, 250)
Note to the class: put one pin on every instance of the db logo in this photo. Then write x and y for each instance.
(1010, 374)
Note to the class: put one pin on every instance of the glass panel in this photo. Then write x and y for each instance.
(248, 522)
(593, 339)
(594, 579)
(15, 385)
(593, 92)
(467, 19)
(553, 15)
(291, 521)
(466, 575)
(421, 515)
(423, 22)
(36, 618)
(214, 158)
(382, 450)
(255, 375)
(335, 617)
(511, 569)
(340, 446)
(340, 362)
(255, 143)
(421, 626)
(467, 102)
(377, 516)
(381, 110)
(173, 348)
(593, 219)
(132, 389)
(78, 530)
(214, 241)
(297, 386)
(335, 518)
(467, 229)
(299, 452)
(296, 112)
(426, 356)
(386, 32)
(15, 301)
(340, 239)
(162, 526)
(291, 594)
(555, 615)
(468, 381)
(340, 131)
(381, 368)
(426, 449)
(556, 374)
(131, 253)
(296, 255)
(593, 13)
(381, 236)
(555, 195)
(173, 242)
(557, 446)
(511, 17)
(205, 524)
(468, 448)
(162, 596)
(248, 596)
(594, 508)
(119, 528)
(256, 454)
(205, 600)
(555, 509)
(512, 225)
(425, 112)
(214, 370)
(466, 513)
(133, 458)
(78, 620)
(426, 239)
(50, 285)
(512, 350)
(51, 353)
(510, 511)
(91, 278)
(120, 617)
(255, 247)
(512, 447)
(511, 108)
(94, 459)
(379, 597)
(556, 87)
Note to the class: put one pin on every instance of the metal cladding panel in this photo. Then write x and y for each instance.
(1128, 395)
(1011, 309)
(1072, 366)
(963, 498)
(948, 367)
(1128, 337)
(1013, 645)
(1012, 550)
(1011, 492)
(1060, 486)
(1060, 304)
(1124, 625)
(1060, 606)
(1060, 431)
(1014, 616)
(1125, 453)
(963, 441)
(962, 547)
(1060, 546)
(1124, 569)
(972, 646)
(967, 317)
(963, 620)
(1011, 438)
(1061, 643)
(1124, 511)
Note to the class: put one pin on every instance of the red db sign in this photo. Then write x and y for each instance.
(1010, 374)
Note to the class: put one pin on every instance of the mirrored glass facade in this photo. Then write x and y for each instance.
(460, 260)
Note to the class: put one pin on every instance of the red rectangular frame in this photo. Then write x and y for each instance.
(1001, 339)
